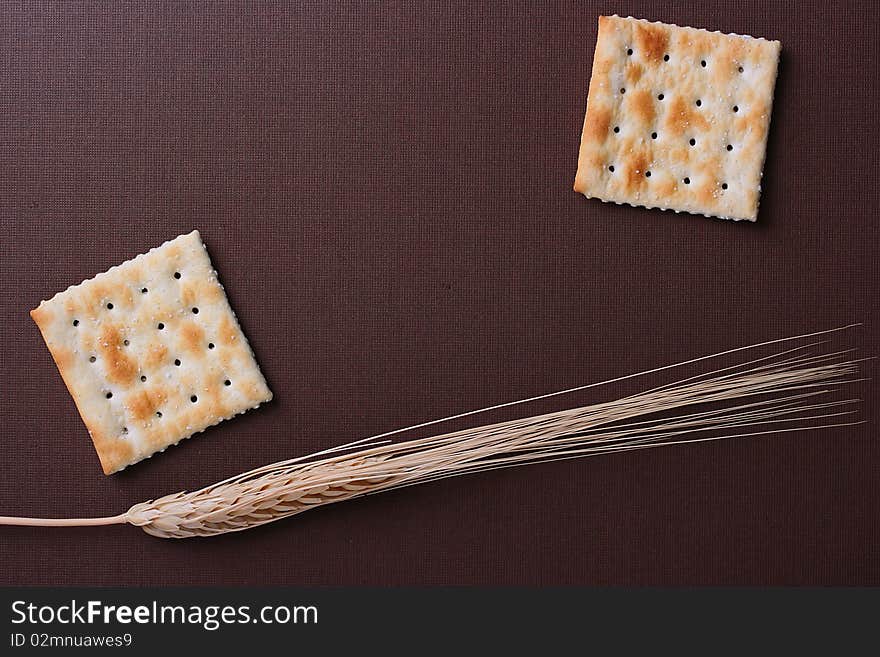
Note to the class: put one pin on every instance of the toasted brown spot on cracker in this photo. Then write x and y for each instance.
(157, 354)
(142, 406)
(598, 122)
(213, 292)
(633, 73)
(652, 41)
(683, 117)
(667, 187)
(641, 104)
(120, 368)
(188, 293)
(635, 172)
(125, 298)
(723, 72)
(706, 192)
(97, 296)
(193, 336)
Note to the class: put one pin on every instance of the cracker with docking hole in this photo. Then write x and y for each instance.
(151, 352)
(677, 118)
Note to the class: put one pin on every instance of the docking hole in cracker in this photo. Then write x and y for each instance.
(151, 352)
(677, 118)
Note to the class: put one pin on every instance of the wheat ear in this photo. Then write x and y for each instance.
(788, 390)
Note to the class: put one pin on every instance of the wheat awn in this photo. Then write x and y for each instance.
(782, 392)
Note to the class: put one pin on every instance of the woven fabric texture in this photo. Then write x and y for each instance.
(385, 190)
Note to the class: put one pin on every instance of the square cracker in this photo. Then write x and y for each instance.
(151, 352)
(677, 118)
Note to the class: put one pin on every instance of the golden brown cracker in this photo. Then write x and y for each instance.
(151, 352)
(677, 118)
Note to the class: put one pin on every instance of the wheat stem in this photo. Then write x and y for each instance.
(63, 522)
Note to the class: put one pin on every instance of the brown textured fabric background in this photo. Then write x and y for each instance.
(385, 189)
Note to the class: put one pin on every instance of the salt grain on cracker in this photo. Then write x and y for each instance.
(151, 352)
(677, 118)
